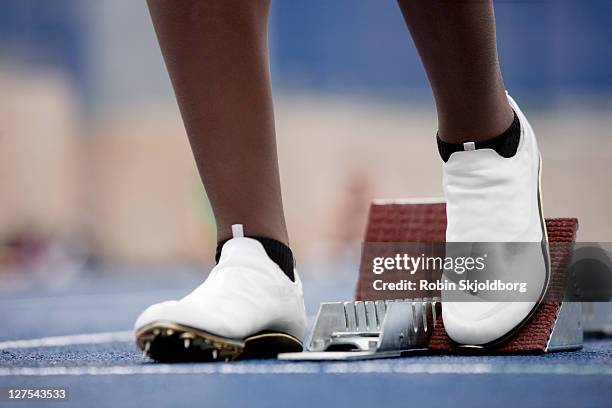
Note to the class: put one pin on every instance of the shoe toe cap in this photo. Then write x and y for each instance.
(156, 312)
(469, 324)
(200, 315)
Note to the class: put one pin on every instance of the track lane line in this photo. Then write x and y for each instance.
(69, 340)
(356, 368)
(73, 339)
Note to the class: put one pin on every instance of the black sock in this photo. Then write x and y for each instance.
(505, 144)
(276, 250)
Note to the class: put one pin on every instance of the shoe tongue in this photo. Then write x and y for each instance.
(237, 231)
(242, 246)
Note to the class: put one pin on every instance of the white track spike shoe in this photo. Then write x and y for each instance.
(495, 200)
(246, 308)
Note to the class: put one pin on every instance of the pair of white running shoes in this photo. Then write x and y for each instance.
(248, 307)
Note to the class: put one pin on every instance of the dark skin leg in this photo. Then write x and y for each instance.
(217, 57)
(457, 45)
(216, 53)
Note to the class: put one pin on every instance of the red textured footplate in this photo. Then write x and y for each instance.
(402, 221)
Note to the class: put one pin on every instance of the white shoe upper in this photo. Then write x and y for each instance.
(491, 198)
(245, 293)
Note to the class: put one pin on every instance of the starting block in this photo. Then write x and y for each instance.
(371, 327)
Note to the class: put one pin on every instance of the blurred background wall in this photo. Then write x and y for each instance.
(94, 159)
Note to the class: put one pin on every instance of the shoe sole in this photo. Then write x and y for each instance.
(546, 252)
(170, 342)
